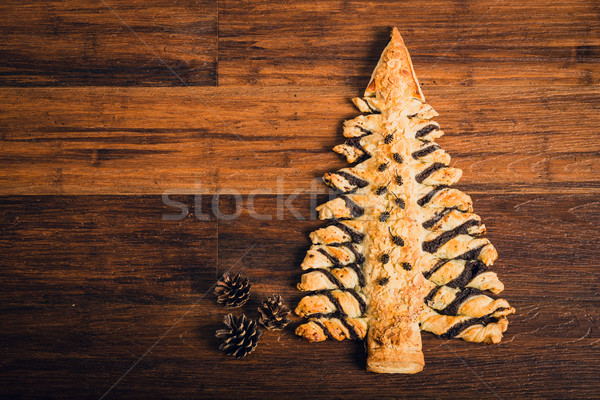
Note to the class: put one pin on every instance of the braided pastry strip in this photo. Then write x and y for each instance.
(487, 329)
(332, 302)
(319, 329)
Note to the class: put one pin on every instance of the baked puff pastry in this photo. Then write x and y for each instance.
(403, 251)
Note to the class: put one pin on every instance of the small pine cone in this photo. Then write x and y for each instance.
(274, 314)
(241, 336)
(233, 292)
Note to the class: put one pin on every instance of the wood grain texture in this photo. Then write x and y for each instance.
(105, 106)
(108, 43)
(88, 290)
(469, 43)
(76, 140)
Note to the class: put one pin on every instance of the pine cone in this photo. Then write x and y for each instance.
(241, 336)
(274, 314)
(233, 292)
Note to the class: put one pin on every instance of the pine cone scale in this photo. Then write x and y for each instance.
(274, 315)
(233, 291)
(241, 336)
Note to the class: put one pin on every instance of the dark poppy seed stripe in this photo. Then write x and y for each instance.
(361, 302)
(371, 108)
(471, 254)
(359, 273)
(431, 294)
(434, 269)
(361, 159)
(456, 329)
(323, 328)
(426, 130)
(335, 244)
(340, 311)
(352, 179)
(332, 278)
(350, 328)
(355, 142)
(428, 171)
(437, 217)
(353, 266)
(431, 246)
(355, 210)
(358, 257)
(459, 299)
(356, 237)
(331, 258)
(425, 151)
(427, 198)
(334, 314)
(365, 131)
(471, 270)
(332, 299)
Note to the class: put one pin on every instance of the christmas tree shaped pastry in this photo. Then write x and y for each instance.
(403, 251)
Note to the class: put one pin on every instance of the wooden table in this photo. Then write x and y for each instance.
(108, 107)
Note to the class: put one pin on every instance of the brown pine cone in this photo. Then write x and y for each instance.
(240, 336)
(233, 292)
(274, 315)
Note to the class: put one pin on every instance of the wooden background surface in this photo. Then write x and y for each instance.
(107, 105)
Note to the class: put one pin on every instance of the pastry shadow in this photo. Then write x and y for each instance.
(380, 39)
(205, 335)
(359, 355)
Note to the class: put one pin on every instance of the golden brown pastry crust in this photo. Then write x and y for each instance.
(403, 251)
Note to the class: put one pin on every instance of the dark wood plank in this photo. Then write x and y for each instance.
(89, 351)
(90, 283)
(452, 43)
(78, 140)
(108, 43)
(102, 249)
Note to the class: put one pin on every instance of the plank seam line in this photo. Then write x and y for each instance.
(218, 40)
(179, 77)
